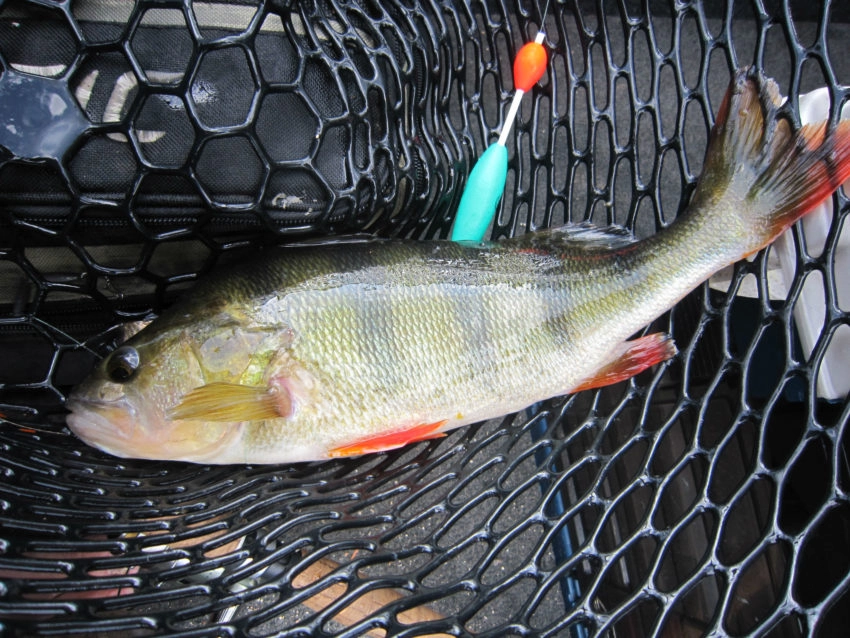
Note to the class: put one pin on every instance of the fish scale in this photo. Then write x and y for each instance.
(408, 358)
(402, 348)
(368, 345)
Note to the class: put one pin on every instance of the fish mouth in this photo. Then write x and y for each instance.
(107, 427)
(119, 429)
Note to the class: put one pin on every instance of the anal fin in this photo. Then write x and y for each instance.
(389, 440)
(631, 358)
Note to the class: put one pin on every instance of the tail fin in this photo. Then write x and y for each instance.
(774, 174)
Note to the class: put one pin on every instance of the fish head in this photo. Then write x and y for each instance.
(123, 406)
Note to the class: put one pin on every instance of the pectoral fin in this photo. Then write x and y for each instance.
(232, 402)
(390, 440)
(631, 358)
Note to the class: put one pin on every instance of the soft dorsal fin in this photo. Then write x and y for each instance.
(576, 236)
(336, 240)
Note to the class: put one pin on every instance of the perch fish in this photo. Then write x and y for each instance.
(335, 350)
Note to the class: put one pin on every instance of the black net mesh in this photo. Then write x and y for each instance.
(144, 144)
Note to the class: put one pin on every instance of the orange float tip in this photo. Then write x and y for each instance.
(529, 65)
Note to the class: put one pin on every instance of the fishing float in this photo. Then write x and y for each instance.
(487, 179)
(477, 208)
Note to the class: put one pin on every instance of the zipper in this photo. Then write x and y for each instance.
(12, 213)
(80, 319)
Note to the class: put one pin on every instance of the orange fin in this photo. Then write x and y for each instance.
(232, 402)
(631, 358)
(390, 440)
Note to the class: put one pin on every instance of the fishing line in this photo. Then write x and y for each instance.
(29, 428)
(59, 331)
(24, 428)
(476, 211)
(486, 181)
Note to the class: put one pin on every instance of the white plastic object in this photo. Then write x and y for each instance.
(833, 377)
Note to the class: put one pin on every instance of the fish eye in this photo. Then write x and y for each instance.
(122, 364)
